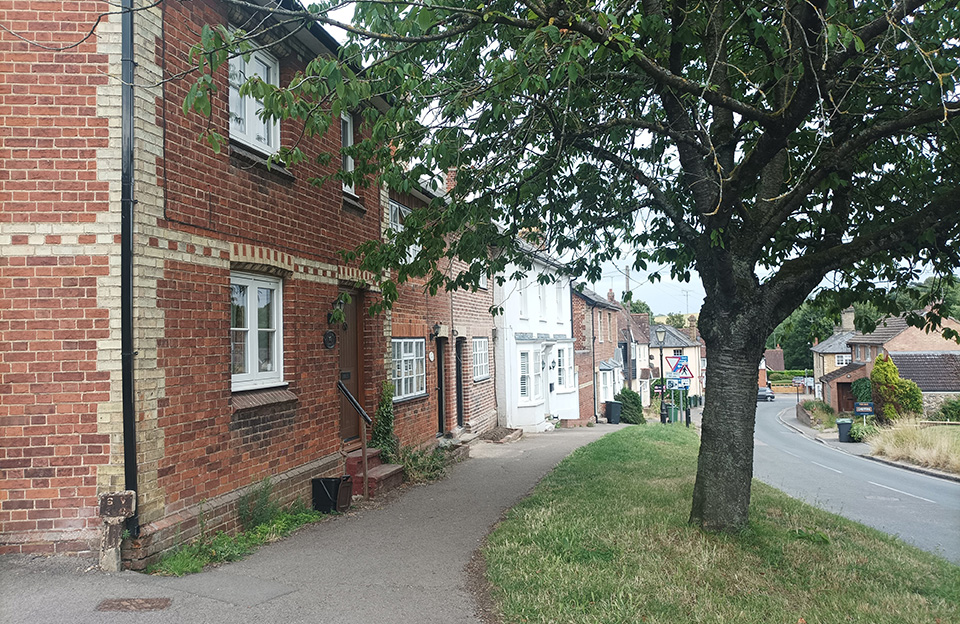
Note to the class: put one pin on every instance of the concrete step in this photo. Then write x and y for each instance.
(355, 461)
(382, 478)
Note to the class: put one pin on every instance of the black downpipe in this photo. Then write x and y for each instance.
(126, 260)
(593, 352)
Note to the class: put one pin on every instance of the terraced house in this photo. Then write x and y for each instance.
(165, 310)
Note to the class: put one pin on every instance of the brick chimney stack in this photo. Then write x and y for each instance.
(451, 179)
(611, 296)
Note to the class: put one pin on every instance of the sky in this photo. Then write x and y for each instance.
(663, 297)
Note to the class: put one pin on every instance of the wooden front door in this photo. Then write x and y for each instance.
(441, 387)
(350, 369)
(844, 397)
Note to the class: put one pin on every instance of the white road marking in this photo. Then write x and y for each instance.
(887, 487)
(827, 467)
(792, 454)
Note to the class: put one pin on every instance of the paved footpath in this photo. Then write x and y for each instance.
(403, 562)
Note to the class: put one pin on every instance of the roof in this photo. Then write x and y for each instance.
(840, 372)
(593, 298)
(774, 358)
(886, 330)
(836, 343)
(633, 327)
(674, 338)
(933, 371)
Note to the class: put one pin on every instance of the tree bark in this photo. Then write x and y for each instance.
(721, 495)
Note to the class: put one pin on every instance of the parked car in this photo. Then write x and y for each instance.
(765, 394)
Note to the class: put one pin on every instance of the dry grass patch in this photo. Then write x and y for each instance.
(605, 539)
(934, 447)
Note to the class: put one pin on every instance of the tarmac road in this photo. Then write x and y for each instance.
(920, 509)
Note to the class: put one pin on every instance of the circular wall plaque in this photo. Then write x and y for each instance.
(431, 356)
(330, 339)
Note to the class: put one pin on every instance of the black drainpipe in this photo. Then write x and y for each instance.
(126, 259)
(593, 352)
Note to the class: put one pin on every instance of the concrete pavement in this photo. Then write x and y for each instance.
(404, 561)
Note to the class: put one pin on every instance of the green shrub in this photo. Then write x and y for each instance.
(382, 436)
(632, 411)
(884, 380)
(816, 405)
(255, 507)
(949, 411)
(860, 430)
(421, 465)
(862, 390)
(786, 375)
(909, 397)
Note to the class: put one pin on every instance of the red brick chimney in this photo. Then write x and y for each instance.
(451, 178)
(611, 296)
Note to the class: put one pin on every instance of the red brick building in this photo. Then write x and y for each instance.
(596, 351)
(442, 347)
(164, 308)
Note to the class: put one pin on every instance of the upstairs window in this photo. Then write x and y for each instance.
(600, 326)
(256, 340)
(246, 126)
(346, 141)
(842, 359)
(523, 297)
(398, 214)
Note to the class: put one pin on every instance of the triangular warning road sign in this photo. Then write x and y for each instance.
(685, 372)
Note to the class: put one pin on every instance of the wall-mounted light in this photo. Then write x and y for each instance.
(337, 312)
(435, 331)
(553, 364)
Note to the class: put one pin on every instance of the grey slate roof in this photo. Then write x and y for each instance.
(933, 371)
(840, 372)
(594, 299)
(674, 339)
(774, 359)
(836, 343)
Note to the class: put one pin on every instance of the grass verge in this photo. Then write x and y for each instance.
(935, 447)
(193, 557)
(605, 538)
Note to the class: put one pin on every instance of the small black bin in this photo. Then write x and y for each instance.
(613, 412)
(331, 493)
(843, 429)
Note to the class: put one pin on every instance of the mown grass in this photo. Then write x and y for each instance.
(220, 548)
(935, 447)
(605, 539)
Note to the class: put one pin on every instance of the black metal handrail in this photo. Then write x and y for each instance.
(356, 405)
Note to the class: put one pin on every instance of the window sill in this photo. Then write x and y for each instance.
(250, 399)
(353, 202)
(480, 379)
(531, 404)
(250, 156)
(564, 390)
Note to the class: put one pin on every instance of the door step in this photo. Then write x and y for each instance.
(381, 477)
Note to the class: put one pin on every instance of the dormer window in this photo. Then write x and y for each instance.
(246, 125)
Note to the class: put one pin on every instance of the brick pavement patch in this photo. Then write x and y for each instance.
(134, 604)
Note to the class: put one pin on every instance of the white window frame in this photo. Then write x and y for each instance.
(565, 378)
(610, 325)
(346, 141)
(542, 296)
(252, 377)
(398, 214)
(678, 352)
(523, 297)
(409, 364)
(530, 372)
(842, 359)
(560, 314)
(599, 326)
(482, 282)
(245, 110)
(605, 386)
(481, 359)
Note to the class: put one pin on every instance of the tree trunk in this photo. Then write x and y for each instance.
(721, 495)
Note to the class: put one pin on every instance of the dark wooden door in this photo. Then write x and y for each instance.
(844, 397)
(458, 361)
(441, 388)
(350, 368)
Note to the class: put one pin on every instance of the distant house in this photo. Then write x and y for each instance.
(598, 359)
(922, 353)
(634, 345)
(675, 344)
(936, 372)
(534, 348)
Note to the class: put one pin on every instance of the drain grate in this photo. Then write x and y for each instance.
(134, 604)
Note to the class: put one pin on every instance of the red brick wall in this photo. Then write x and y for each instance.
(50, 317)
(466, 313)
